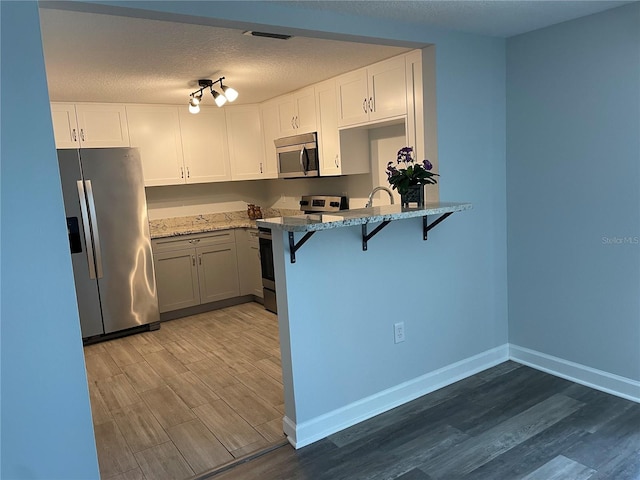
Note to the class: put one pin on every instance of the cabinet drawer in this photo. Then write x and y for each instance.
(252, 237)
(168, 244)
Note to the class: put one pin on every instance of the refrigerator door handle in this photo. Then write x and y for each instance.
(94, 229)
(85, 229)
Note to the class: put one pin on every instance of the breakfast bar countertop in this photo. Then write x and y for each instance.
(360, 216)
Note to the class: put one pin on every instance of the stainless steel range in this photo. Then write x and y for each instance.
(308, 204)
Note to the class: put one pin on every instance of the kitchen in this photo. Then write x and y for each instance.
(203, 201)
(465, 274)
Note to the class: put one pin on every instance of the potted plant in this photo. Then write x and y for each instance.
(409, 178)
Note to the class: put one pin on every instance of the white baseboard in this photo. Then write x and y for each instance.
(591, 377)
(321, 427)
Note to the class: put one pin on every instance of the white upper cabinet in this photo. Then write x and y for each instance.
(373, 93)
(65, 125)
(178, 147)
(205, 145)
(246, 144)
(328, 135)
(271, 131)
(342, 152)
(155, 131)
(297, 112)
(89, 125)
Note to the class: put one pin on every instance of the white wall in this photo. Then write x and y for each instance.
(202, 198)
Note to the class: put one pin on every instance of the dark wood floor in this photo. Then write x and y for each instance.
(509, 422)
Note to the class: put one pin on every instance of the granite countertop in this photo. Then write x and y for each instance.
(175, 226)
(347, 218)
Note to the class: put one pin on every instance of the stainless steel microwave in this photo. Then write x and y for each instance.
(298, 156)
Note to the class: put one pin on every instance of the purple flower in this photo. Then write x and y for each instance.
(404, 154)
(427, 164)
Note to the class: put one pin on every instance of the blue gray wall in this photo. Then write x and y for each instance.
(47, 431)
(573, 190)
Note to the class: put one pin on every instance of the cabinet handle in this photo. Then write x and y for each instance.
(82, 134)
(260, 167)
(199, 259)
(73, 135)
(371, 105)
(337, 164)
(297, 122)
(293, 122)
(188, 173)
(364, 106)
(193, 260)
(181, 172)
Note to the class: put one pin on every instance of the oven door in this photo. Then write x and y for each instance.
(298, 161)
(266, 259)
(268, 274)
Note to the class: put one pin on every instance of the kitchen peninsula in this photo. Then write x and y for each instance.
(363, 216)
(345, 302)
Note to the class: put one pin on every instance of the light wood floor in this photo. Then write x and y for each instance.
(196, 394)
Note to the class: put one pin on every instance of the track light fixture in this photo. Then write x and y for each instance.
(228, 94)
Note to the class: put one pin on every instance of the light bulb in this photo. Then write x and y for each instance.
(194, 104)
(230, 93)
(219, 99)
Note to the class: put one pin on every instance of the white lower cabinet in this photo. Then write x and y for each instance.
(176, 279)
(195, 269)
(249, 262)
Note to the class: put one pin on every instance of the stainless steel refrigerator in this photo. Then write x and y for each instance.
(108, 227)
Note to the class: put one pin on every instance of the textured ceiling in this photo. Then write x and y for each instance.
(105, 58)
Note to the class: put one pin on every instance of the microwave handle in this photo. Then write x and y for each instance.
(305, 167)
(303, 151)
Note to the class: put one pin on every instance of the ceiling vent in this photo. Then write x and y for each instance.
(279, 36)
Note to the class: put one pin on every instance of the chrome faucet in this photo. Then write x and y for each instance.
(370, 201)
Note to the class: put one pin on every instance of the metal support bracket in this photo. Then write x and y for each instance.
(366, 237)
(426, 227)
(294, 247)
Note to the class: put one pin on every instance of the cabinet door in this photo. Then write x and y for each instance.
(176, 279)
(271, 131)
(246, 146)
(353, 99)
(249, 268)
(387, 88)
(329, 138)
(305, 105)
(204, 144)
(218, 272)
(287, 116)
(102, 125)
(155, 130)
(255, 270)
(65, 127)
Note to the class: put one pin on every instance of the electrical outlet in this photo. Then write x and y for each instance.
(398, 332)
